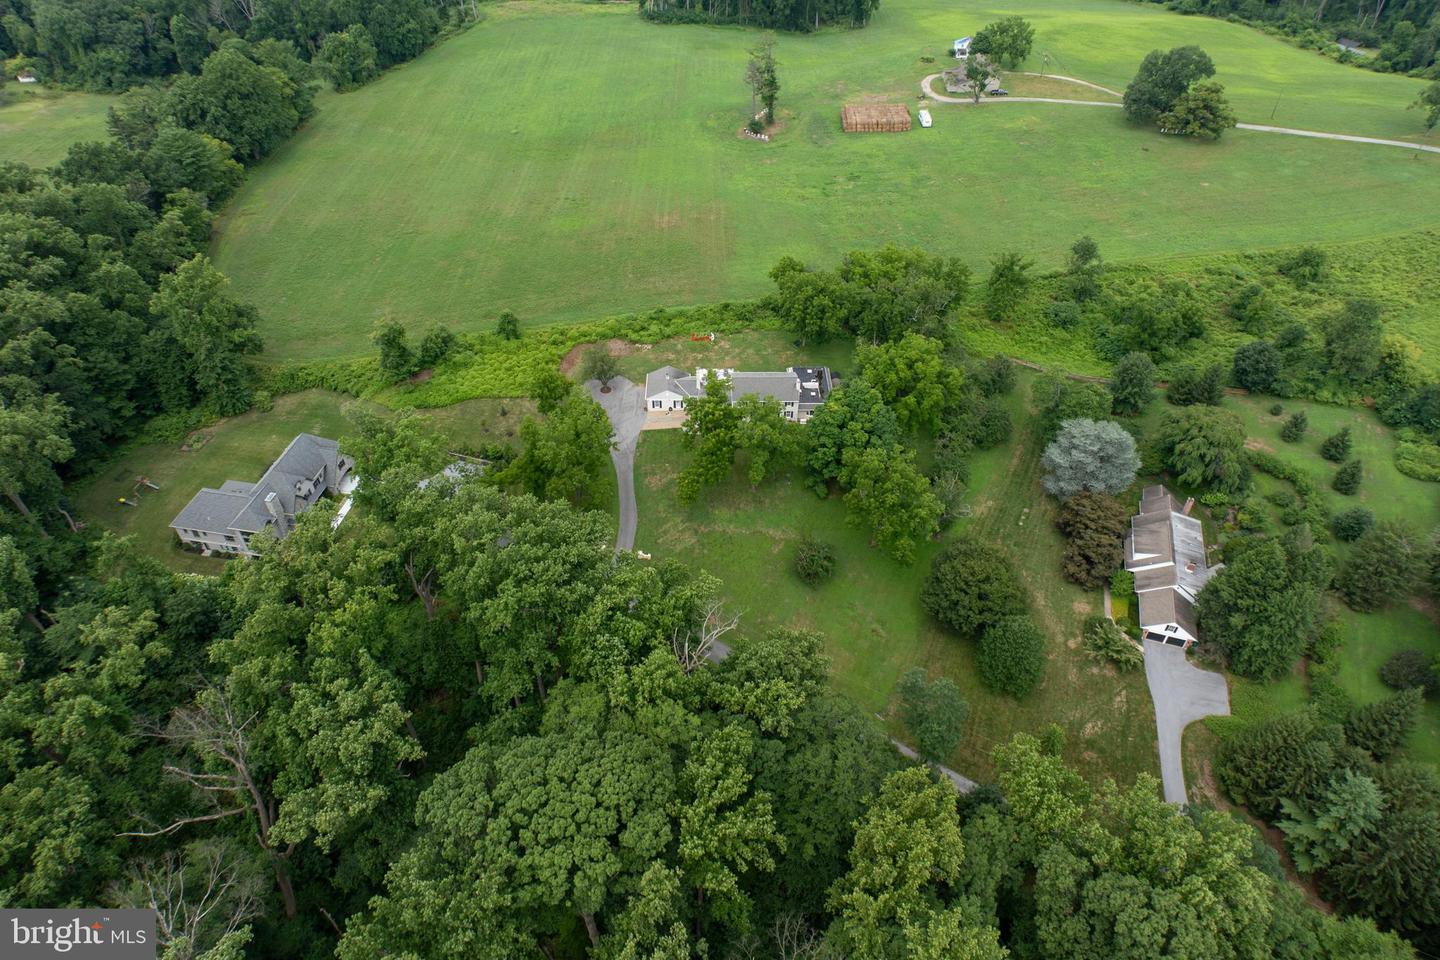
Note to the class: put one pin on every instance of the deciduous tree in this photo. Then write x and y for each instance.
(1094, 526)
(933, 712)
(971, 585)
(1098, 456)
(1163, 78)
(886, 492)
(1132, 383)
(1012, 656)
(1201, 111)
(912, 378)
(1005, 289)
(563, 453)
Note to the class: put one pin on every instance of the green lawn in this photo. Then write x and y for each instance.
(1370, 639)
(240, 448)
(871, 614)
(37, 126)
(1384, 490)
(505, 170)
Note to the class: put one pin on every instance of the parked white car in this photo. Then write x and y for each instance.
(925, 120)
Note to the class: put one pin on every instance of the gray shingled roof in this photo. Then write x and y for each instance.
(781, 385)
(658, 381)
(210, 510)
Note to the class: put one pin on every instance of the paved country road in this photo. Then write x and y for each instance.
(1253, 127)
(1182, 695)
(625, 406)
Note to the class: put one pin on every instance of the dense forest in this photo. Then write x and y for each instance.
(115, 44)
(1404, 34)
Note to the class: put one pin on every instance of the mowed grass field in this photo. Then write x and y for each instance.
(37, 126)
(568, 161)
(871, 615)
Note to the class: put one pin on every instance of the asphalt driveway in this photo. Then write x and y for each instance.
(1182, 695)
(625, 406)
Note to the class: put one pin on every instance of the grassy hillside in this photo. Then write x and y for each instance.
(38, 126)
(571, 161)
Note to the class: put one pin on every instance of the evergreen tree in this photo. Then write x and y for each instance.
(1263, 608)
(1291, 757)
(1336, 447)
(1383, 567)
(1193, 385)
(1350, 525)
(1380, 728)
(1295, 427)
(1350, 807)
(1347, 478)
(1256, 366)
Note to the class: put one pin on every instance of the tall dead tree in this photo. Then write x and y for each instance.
(227, 779)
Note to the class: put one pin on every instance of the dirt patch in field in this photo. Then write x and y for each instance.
(1254, 443)
(1426, 606)
(615, 347)
(422, 376)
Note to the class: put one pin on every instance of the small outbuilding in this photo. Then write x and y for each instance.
(875, 118)
(961, 48)
(27, 76)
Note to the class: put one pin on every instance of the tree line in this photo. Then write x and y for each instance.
(796, 15)
(1404, 35)
(112, 45)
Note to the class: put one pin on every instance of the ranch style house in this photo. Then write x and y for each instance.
(225, 520)
(800, 390)
(1165, 549)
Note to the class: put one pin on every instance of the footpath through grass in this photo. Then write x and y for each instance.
(497, 171)
(37, 126)
(870, 612)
